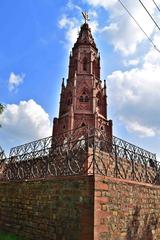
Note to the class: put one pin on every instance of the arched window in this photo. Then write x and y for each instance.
(84, 64)
(84, 97)
(81, 98)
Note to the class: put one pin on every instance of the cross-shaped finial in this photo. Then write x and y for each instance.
(86, 16)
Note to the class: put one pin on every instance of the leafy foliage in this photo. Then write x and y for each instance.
(1, 108)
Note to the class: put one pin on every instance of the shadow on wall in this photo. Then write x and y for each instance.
(142, 226)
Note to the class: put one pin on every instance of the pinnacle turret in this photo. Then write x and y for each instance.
(85, 37)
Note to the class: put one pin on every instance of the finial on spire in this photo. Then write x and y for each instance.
(86, 16)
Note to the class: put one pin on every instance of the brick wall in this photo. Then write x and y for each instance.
(55, 209)
(73, 208)
(126, 210)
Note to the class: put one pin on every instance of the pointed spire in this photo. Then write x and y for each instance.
(85, 36)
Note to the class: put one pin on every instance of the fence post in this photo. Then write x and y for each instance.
(133, 168)
(94, 152)
(116, 161)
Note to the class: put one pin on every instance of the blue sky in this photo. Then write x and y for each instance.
(36, 37)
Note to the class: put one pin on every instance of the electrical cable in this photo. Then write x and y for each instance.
(155, 47)
(156, 5)
(149, 14)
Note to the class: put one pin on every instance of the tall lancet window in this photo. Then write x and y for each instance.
(85, 64)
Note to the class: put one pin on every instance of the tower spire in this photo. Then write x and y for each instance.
(83, 99)
(85, 36)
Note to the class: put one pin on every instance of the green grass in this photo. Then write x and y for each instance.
(8, 236)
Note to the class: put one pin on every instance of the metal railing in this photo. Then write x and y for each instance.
(2, 154)
(82, 151)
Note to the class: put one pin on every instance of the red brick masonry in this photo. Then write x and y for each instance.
(81, 208)
(126, 210)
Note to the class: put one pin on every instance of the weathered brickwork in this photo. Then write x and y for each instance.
(55, 209)
(126, 210)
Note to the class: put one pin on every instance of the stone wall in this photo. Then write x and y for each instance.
(53, 209)
(126, 210)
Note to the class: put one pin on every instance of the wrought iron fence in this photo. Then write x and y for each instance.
(82, 151)
(31, 150)
(127, 162)
(2, 154)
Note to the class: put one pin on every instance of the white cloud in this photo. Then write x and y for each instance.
(131, 62)
(15, 80)
(92, 14)
(135, 95)
(120, 29)
(153, 56)
(73, 6)
(24, 122)
(102, 3)
(139, 129)
(70, 25)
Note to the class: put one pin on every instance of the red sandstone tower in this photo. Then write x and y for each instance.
(83, 100)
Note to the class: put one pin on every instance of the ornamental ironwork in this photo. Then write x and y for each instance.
(31, 150)
(83, 151)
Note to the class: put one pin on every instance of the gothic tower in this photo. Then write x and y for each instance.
(83, 99)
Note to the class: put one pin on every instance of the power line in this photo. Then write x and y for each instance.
(155, 47)
(156, 5)
(149, 14)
